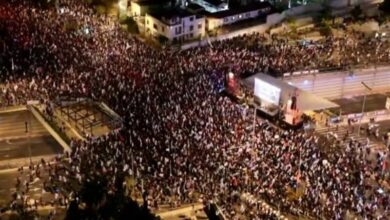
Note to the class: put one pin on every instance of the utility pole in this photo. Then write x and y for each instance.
(363, 106)
(254, 121)
(27, 124)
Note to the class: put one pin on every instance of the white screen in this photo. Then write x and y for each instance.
(267, 92)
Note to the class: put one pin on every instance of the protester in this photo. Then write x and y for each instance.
(181, 140)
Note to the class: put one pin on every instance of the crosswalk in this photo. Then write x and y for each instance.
(342, 132)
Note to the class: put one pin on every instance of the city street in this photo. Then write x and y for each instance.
(353, 105)
(18, 148)
(7, 186)
(15, 142)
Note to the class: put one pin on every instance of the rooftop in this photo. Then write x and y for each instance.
(240, 10)
(152, 2)
(194, 6)
(215, 2)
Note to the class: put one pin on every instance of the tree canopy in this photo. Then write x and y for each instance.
(385, 7)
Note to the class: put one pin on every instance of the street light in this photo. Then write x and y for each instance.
(364, 105)
(28, 133)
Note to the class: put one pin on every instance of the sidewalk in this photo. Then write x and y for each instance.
(186, 211)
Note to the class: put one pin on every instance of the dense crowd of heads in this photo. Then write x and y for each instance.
(181, 139)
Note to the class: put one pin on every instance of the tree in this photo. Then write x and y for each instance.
(384, 7)
(132, 26)
(100, 204)
(326, 15)
(356, 12)
(292, 24)
(162, 39)
(73, 211)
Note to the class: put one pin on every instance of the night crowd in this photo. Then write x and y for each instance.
(181, 139)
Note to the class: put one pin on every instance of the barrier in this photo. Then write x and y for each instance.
(53, 133)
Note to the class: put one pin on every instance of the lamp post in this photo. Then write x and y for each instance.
(28, 133)
(364, 105)
(254, 121)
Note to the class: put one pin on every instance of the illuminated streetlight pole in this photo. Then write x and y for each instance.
(364, 105)
(254, 121)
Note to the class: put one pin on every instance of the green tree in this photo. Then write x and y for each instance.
(356, 12)
(100, 204)
(131, 25)
(162, 39)
(384, 7)
(326, 16)
(292, 24)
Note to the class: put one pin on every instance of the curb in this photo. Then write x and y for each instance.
(179, 211)
(12, 109)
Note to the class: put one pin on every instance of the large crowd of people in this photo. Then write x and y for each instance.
(181, 140)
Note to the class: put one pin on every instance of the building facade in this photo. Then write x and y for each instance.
(252, 11)
(175, 25)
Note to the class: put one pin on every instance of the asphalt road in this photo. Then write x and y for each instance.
(15, 141)
(7, 186)
(19, 148)
(353, 105)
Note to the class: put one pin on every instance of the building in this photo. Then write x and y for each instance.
(212, 6)
(250, 11)
(175, 25)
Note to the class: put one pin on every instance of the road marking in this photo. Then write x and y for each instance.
(24, 137)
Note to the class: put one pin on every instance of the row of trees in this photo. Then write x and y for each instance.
(98, 203)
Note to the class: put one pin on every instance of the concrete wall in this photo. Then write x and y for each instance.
(275, 18)
(350, 3)
(309, 8)
(259, 28)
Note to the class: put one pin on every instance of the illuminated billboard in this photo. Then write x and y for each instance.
(267, 92)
